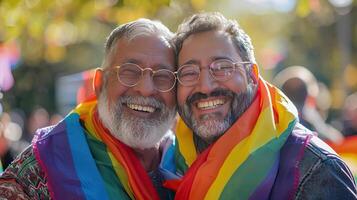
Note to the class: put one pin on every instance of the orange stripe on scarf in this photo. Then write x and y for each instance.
(139, 180)
(222, 147)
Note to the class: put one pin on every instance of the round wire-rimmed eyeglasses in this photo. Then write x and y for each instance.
(130, 74)
(221, 70)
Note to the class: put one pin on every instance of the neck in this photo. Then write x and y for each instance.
(149, 158)
(200, 144)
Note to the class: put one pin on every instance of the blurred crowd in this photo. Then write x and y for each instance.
(311, 97)
(313, 100)
(17, 130)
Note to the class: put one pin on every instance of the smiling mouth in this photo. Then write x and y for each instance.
(141, 108)
(211, 104)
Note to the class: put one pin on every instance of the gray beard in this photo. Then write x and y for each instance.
(134, 131)
(208, 128)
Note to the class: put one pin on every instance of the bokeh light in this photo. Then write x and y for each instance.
(47, 45)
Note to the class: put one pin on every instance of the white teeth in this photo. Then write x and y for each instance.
(141, 108)
(210, 104)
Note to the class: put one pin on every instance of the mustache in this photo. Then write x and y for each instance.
(149, 101)
(215, 93)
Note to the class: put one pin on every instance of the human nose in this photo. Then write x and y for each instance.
(206, 83)
(146, 85)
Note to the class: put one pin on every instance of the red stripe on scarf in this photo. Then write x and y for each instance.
(183, 192)
(223, 146)
(140, 182)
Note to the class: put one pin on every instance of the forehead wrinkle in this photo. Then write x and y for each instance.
(152, 65)
(211, 59)
(150, 51)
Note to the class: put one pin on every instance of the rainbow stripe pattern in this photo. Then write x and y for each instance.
(242, 163)
(82, 161)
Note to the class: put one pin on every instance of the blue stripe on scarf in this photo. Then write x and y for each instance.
(87, 171)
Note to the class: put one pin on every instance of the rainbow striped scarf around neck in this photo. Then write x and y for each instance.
(243, 162)
(66, 156)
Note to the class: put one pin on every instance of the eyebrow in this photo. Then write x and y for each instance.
(193, 61)
(163, 66)
(155, 67)
(221, 57)
(132, 60)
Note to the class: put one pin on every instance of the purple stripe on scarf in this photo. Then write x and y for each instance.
(62, 180)
(265, 186)
(288, 174)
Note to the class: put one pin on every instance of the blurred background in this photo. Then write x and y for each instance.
(48, 46)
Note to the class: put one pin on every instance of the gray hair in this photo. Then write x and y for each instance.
(133, 30)
(203, 22)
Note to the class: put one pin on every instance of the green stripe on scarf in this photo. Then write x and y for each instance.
(100, 154)
(181, 165)
(267, 155)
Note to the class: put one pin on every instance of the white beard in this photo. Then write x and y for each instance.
(134, 131)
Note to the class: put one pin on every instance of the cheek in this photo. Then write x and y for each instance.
(115, 91)
(182, 94)
(237, 83)
(169, 98)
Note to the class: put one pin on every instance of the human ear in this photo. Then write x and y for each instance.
(254, 73)
(98, 81)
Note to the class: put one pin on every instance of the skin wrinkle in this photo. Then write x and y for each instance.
(134, 131)
(137, 129)
(202, 48)
(215, 128)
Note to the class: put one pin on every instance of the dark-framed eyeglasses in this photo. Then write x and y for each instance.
(221, 70)
(130, 74)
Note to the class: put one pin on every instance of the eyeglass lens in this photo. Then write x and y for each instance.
(221, 70)
(130, 74)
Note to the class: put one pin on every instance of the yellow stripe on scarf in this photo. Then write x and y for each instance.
(120, 172)
(185, 136)
(85, 110)
(258, 138)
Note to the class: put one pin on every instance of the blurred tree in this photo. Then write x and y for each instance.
(60, 37)
(45, 28)
(324, 39)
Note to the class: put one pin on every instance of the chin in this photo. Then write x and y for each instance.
(210, 130)
(135, 132)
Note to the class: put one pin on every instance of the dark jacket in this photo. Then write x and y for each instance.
(322, 173)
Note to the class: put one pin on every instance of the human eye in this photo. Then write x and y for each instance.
(129, 73)
(222, 68)
(163, 76)
(189, 73)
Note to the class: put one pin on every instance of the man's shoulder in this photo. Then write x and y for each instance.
(24, 177)
(48, 131)
(317, 151)
(323, 174)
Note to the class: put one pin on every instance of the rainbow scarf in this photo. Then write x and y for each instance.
(243, 163)
(82, 161)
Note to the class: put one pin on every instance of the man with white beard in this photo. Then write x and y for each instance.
(113, 147)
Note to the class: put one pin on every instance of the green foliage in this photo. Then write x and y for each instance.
(59, 37)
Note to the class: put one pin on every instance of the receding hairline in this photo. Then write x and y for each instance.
(132, 30)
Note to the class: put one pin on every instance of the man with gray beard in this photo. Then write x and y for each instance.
(239, 136)
(112, 147)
